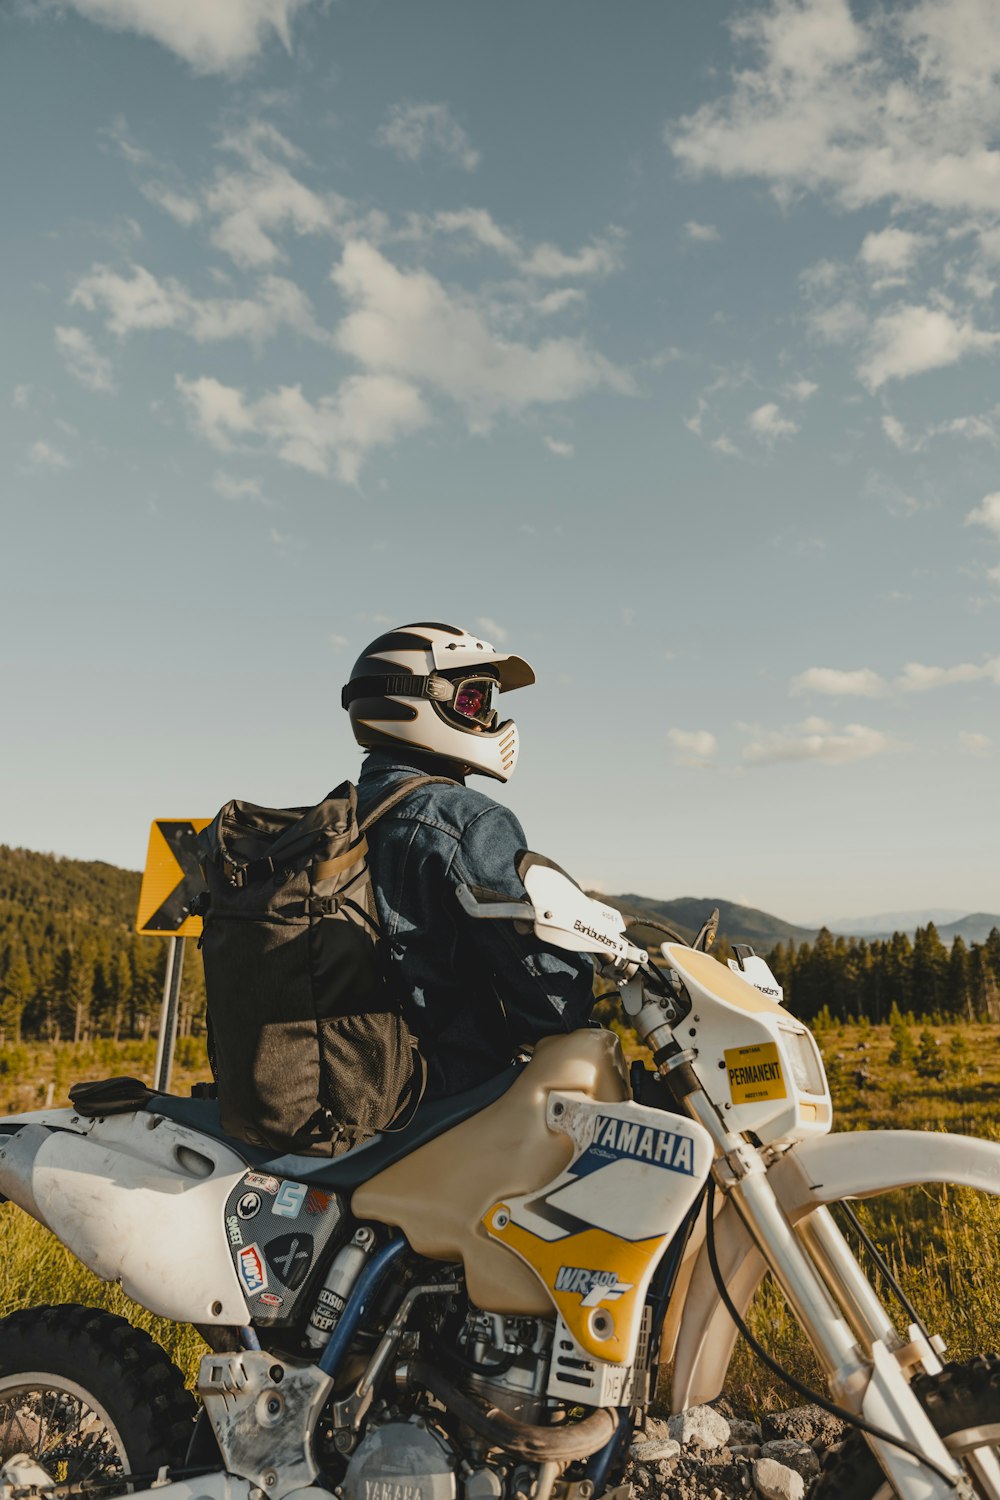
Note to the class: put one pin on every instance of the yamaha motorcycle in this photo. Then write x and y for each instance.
(477, 1306)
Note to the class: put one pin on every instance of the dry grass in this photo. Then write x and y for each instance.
(942, 1245)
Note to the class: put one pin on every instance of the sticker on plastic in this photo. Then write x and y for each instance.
(755, 1073)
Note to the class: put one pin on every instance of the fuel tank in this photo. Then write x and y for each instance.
(138, 1199)
(440, 1193)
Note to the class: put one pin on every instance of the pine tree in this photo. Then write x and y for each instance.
(902, 1051)
(929, 1061)
(928, 971)
(959, 1000)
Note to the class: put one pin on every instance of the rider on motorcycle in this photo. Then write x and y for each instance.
(420, 700)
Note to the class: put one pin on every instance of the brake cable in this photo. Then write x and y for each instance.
(800, 1388)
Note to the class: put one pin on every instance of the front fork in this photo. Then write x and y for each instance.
(861, 1353)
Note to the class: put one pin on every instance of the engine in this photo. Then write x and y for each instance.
(507, 1361)
(504, 1362)
(402, 1460)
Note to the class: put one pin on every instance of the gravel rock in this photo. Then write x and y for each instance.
(653, 1428)
(710, 1478)
(776, 1482)
(807, 1424)
(655, 1450)
(793, 1454)
(701, 1425)
(742, 1433)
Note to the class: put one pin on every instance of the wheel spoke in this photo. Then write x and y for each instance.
(60, 1431)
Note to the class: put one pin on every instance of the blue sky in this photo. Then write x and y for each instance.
(655, 342)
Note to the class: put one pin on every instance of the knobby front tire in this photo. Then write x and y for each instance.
(963, 1402)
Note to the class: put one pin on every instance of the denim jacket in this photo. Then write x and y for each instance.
(472, 991)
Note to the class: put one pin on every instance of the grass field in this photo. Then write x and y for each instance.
(944, 1245)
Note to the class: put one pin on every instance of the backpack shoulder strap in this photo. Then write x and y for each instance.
(398, 794)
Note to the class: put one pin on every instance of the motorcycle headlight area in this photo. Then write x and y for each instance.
(804, 1063)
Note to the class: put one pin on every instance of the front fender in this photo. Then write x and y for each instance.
(851, 1164)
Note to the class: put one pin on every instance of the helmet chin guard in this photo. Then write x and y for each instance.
(402, 687)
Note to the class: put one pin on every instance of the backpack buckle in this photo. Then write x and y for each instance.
(322, 906)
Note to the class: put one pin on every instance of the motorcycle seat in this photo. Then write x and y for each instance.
(340, 1173)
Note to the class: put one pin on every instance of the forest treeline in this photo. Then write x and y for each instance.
(72, 967)
(852, 978)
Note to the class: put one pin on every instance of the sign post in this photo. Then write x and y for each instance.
(166, 1039)
(170, 883)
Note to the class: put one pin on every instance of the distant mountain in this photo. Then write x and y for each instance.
(896, 921)
(972, 929)
(737, 924)
(746, 924)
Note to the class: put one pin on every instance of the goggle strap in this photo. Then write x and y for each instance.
(401, 685)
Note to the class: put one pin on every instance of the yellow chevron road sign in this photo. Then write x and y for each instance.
(171, 879)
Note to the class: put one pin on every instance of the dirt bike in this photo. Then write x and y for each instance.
(476, 1307)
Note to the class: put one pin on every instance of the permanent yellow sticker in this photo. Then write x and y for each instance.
(755, 1073)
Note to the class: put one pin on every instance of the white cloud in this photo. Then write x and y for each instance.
(917, 678)
(213, 36)
(891, 252)
(83, 361)
(972, 743)
(911, 340)
(692, 747)
(800, 390)
(863, 682)
(835, 683)
(600, 258)
(987, 514)
(724, 444)
(475, 224)
(560, 449)
(413, 131)
(900, 106)
(44, 456)
(232, 487)
(337, 431)
(706, 233)
(254, 204)
(895, 431)
(21, 397)
(249, 202)
(140, 302)
(491, 630)
(556, 302)
(768, 424)
(814, 739)
(180, 206)
(979, 427)
(839, 322)
(407, 323)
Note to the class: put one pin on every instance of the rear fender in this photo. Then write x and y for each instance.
(699, 1332)
(138, 1199)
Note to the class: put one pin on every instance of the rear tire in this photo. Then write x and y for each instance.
(963, 1402)
(89, 1397)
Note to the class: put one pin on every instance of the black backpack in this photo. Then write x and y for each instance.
(308, 1050)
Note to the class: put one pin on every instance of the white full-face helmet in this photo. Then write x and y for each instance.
(432, 686)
